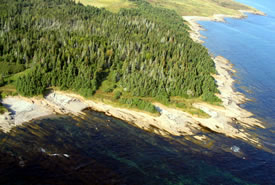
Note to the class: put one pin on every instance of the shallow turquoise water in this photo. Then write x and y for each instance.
(250, 45)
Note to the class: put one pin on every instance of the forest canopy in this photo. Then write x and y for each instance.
(144, 51)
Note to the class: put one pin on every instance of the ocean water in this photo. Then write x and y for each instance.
(98, 149)
(250, 45)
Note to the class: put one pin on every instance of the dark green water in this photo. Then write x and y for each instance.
(105, 150)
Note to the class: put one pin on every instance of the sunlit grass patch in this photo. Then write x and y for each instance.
(201, 7)
(111, 5)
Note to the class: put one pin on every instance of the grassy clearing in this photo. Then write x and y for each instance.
(201, 7)
(111, 5)
(12, 78)
(8, 89)
(183, 104)
(182, 7)
(186, 105)
(110, 98)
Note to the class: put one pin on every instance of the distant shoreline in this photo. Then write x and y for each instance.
(237, 97)
(196, 27)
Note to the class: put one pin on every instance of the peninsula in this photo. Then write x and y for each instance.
(138, 64)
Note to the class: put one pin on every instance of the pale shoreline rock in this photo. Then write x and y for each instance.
(170, 122)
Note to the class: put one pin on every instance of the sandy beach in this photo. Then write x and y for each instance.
(223, 119)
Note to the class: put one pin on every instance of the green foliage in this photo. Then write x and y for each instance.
(110, 83)
(139, 104)
(2, 82)
(109, 89)
(8, 68)
(211, 98)
(181, 105)
(31, 85)
(111, 5)
(163, 98)
(2, 108)
(117, 94)
(145, 51)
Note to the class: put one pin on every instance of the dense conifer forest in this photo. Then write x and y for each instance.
(142, 52)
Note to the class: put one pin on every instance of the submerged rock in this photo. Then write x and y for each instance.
(42, 150)
(54, 155)
(22, 164)
(65, 103)
(66, 155)
(235, 149)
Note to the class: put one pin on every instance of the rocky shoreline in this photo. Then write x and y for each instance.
(23, 109)
(170, 122)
